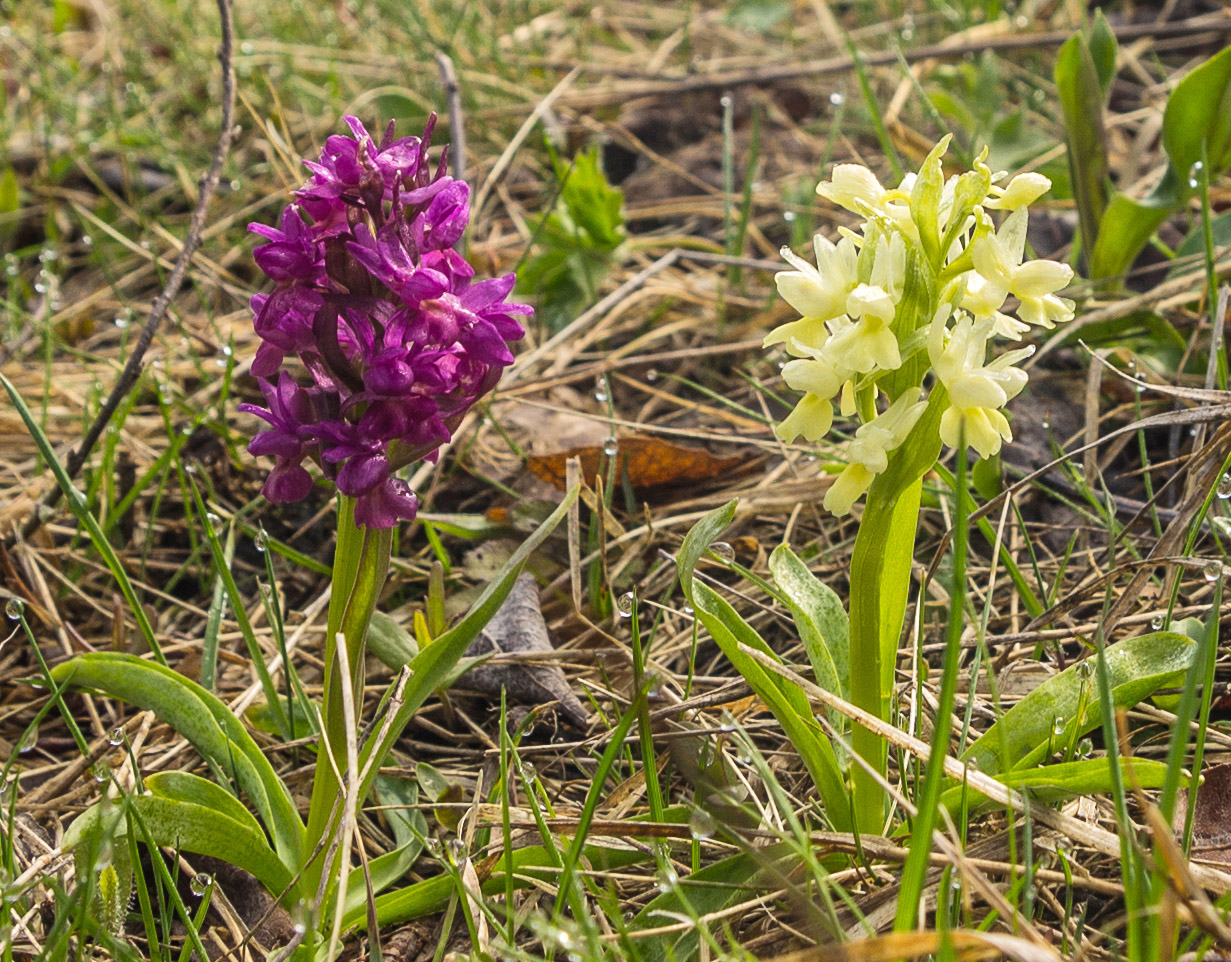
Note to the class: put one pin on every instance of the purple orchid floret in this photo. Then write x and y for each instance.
(395, 337)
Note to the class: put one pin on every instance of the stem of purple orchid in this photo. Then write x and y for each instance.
(361, 564)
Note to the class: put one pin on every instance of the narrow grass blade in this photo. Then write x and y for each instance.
(81, 510)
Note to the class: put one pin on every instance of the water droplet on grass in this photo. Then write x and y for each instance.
(668, 879)
(722, 551)
(1213, 570)
(116, 738)
(837, 99)
(625, 604)
(701, 824)
(14, 608)
(1224, 487)
(200, 883)
(611, 447)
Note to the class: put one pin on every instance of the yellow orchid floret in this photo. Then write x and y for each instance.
(977, 390)
(868, 452)
(928, 275)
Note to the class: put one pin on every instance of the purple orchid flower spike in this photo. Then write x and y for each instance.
(394, 336)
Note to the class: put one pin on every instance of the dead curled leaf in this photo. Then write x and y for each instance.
(518, 628)
(645, 461)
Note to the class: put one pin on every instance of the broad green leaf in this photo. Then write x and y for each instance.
(186, 787)
(1137, 667)
(409, 827)
(192, 828)
(390, 642)
(820, 617)
(1127, 226)
(1103, 50)
(1081, 101)
(789, 705)
(591, 203)
(1199, 113)
(1054, 783)
(206, 722)
(433, 665)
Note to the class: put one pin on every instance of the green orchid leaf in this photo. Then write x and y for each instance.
(1028, 731)
(1127, 226)
(189, 827)
(1081, 101)
(1103, 50)
(820, 617)
(1197, 120)
(186, 787)
(206, 722)
(1054, 783)
(789, 705)
(390, 642)
(433, 665)
(399, 798)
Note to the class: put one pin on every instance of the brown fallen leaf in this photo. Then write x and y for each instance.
(1212, 819)
(646, 462)
(518, 628)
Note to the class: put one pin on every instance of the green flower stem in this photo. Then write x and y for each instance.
(880, 590)
(361, 563)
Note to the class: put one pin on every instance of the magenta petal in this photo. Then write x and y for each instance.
(362, 473)
(386, 504)
(287, 482)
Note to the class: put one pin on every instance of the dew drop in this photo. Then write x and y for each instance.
(1213, 570)
(701, 824)
(300, 928)
(200, 883)
(837, 99)
(261, 540)
(213, 519)
(1085, 748)
(972, 765)
(722, 551)
(788, 216)
(1157, 622)
(687, 611)
(433, 846)
(457, 850)
(1057, 725)
(652, 375)
(668, 879)
(602, 390)
(100, 771)
(1085, 669)
(14, 608)
(725, 101)
(625, 604)
(28, 740)
(611, 447)
(1224, 487)
(1194, 174)
(530, 772)
(121, 321)
(726, 721)
(87, 240)
(116, 738)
